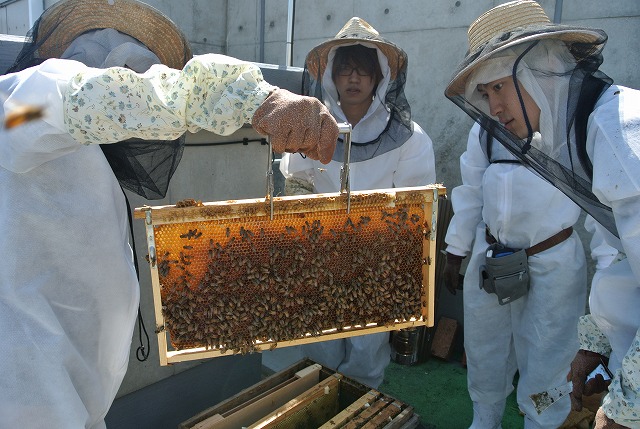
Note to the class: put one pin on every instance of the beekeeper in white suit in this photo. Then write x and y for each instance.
(528, 325)
(68, 288)
(360, 77)
(534, 334)
(536, 88)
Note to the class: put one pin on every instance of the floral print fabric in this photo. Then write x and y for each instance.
(622, 403)
(212, 92)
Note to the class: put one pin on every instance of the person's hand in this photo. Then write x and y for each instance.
(583, 363)
(603, 422)
(452, 272)
(297, 123)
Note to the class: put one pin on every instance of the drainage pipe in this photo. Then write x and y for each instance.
(36, 7)
(557, 16)
(290, 18)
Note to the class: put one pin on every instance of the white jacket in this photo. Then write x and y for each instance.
(613, 145)
(520, 208)
(68, 288)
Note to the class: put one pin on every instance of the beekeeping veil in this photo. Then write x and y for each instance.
(393, 61)
(558, 66)
(105, 33)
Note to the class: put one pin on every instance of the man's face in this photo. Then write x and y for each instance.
(354, 85)
(504, 104)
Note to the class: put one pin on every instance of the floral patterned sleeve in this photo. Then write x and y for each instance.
(591, 337)
(212, 92)
(622, 403)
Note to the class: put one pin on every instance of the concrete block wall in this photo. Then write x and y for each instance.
(203, 21)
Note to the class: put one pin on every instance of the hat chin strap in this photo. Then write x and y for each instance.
(527, 145)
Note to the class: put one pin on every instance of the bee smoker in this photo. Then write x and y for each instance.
(405, 345)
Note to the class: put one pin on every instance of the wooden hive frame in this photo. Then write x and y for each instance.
(180, 238)
(306, 395)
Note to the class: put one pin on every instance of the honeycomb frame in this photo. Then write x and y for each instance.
(240, 276)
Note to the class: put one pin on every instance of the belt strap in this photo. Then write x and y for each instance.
(543, 245)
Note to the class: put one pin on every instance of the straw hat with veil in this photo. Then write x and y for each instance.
(558, 66)
(105, 33)
(66, 20)
(393, 61)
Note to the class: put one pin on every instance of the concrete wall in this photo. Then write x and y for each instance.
(203, 21)
(434, 35)
(433, 32)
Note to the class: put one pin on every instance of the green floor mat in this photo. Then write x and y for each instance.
(438, 392)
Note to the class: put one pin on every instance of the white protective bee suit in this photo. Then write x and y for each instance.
(378, 165)
(587, 146)
(535, 335)
(68, 287)
(613, 327)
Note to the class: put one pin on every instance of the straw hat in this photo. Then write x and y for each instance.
(64, 21)
(510, 24)
(354, 31)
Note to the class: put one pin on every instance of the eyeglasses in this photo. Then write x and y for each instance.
(347, 69)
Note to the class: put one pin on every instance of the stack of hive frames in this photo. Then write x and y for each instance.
(306, 395)
(229, 277)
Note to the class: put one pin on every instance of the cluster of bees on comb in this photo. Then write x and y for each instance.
(231, 287)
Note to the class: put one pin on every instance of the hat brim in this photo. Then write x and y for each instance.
(317, 59)
(66, 20)
(569, 35)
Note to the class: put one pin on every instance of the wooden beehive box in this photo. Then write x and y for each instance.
(248, 275)
(306, 395)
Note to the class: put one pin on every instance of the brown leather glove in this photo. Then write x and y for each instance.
(452, 277)
(297, 123)
(603, 422)
(583, 363)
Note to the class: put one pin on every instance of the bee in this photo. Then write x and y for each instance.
(23, 114)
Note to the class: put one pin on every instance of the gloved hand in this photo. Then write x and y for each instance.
(452, 272)
(297, 123)
(583, 363)
(603, 422)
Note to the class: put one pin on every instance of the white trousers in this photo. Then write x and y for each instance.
(362, 358)
(535, 335)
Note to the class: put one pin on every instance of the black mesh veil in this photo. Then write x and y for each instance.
(28, 56)
(559, 154)
(399, 127)
(144, 167)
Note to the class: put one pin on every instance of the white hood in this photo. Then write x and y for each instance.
(377, 117)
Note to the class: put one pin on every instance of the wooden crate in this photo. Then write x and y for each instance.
(306, 395)
(248, 275)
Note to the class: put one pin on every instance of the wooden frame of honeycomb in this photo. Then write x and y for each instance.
(249, 275)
